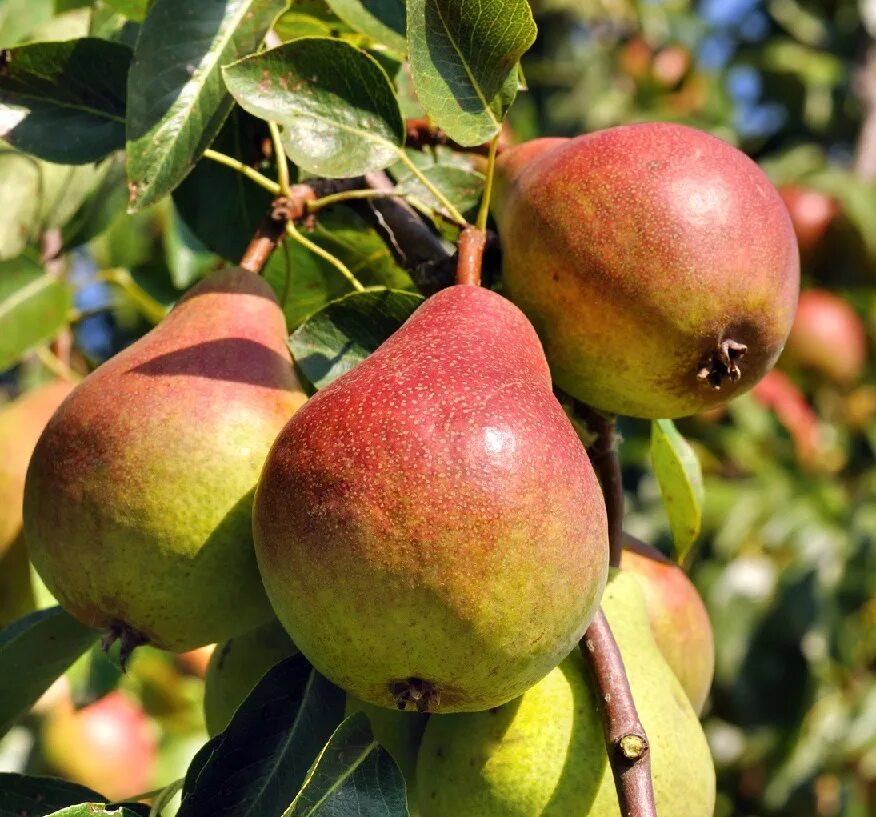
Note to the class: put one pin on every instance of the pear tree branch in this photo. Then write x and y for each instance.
(625, 739)
(628, 750)
(606, 463)
(421, 133)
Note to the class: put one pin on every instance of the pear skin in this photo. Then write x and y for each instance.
(679, 620)
(428, 527)
(544, 755)
(236, 666)
(657, 263)
(139, 494)
(21, 423)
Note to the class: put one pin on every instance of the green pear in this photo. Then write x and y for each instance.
(428, 527)
(544, 755)
(679, 620)
(139, 494)
(236, 666)
(657, 263)
(21, 423)
(400, 733)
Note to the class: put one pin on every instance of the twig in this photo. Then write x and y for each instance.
(420, 133)
(470, 256)
(625, 738)
(264, 242)
(606, 463)
(865, 86)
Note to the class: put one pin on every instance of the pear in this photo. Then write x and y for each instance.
(544, 755)
(236, 666)
(21, 423)
(110, 746)
(657, 263)
(828, 339)
(428, 527)
(139, 494)
(679, 621)
(400, 734)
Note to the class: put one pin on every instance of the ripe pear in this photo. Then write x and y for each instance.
(110, 746)
(828, 338)
(679, 621)
(544, 755)
(21, 423)
(657, 263)
(139, 494)
(428, 527)
(400, 733)
(236, 666)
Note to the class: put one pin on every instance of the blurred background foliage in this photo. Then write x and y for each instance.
(787, 557)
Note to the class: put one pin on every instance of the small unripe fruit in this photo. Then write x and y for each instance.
(109, 746)
(827, 338)
(812, 214)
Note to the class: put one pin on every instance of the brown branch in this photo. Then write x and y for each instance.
(625, 737)
(606, 463)
(420, 133)
(470, 256)
(289, 208)
(865, 87)
(628, 750)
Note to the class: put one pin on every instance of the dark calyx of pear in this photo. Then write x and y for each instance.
(428, 527)
(138, 496)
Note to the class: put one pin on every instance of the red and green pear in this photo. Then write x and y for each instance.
(139, 494)
(828, 338)
(21, 423)
(428, 527)
(679, 621)
(110, 746)
(657, 263)
(236, 666)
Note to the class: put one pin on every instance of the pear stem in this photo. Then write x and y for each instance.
(442, 200)
(471, 256)
(625, 738)
(252, 174)
(280, 153)
(484, 211)
(340, 266)
(606, 462)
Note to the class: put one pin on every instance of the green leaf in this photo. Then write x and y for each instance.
(65, 101)
(259, 762)
(34, 305)
(237, 206)
(39, 796)
(353, 775)
(176, 99)
(458, 181)
(19, 18)
(680, 477)
(187, 258)
(381, 20)
(335, 103)
(313, 282)
(103, 205)
(38, 196)
(345, 332)
(464, 56)
(94, 810)
(34, 651)
(132, 9)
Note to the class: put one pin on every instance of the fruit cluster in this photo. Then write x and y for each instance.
(428, 529)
